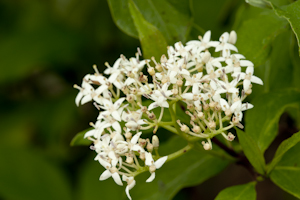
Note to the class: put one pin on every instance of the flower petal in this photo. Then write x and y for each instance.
(105, 175)
(151, 178)
(160, 162)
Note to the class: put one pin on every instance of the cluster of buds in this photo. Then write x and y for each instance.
(212, 90)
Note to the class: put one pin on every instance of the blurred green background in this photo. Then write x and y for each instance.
(45, 48)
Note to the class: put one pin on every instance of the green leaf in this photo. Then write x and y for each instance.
(26, 175)
(251, 150)
(79, 140)
(256, 34)
(190, 169)
(171, 17)
(287, 172)
(283, 148)
(291, 14)
(262, 120)
(238, 192)
(152, 41)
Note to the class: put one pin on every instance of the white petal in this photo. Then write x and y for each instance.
(160, 162)
(78, 98)
(246, 106)
(224, 104)
(105, 175)
(90, 133)
(236, 106)
(117, 126)
(246, 63)
(137, 148)
(135, 138)
(104, 163)
(149, 160)
(127, 192)
(188, 96)
(116, 115)
(152, 106)
(206, 37)
(246, 84)
(86, 99)
(117, 178)
(255, 79)
(250, 69)
(151, 178)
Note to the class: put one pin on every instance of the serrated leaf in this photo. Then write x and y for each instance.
(291, 14)
(262, 120)
(252, 152)
(172, 18)
(238, 192)
(152, 41)
(287, 172)
(283, 148)
(256, 34)
(79, 140)
(27, 175)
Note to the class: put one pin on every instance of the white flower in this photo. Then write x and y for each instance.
(130, 184)
(111, 171)
(225, 46)
(248, 77)
(205, 42)
(112, 109)
(153, 165)
(160, 97)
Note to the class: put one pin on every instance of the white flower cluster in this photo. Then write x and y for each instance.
(211, 87)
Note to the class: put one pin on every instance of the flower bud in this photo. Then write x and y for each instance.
(206, 57)
(129, 160)
(142, 155)
(142, 142)
(130, 98)
(151, 71)
(128, 135)
(149, 147)
(196, 129)
(184, 128)
(151, 116)
(206, 146)
(158, 67)
(232, 37)
(200, 115)
(211, 124)
(155, 141)
(179, 82)
(230, 136)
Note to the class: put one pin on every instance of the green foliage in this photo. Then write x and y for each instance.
(171, 18)
(287, 172)
(256, 34)
(262, 120)
(239, 192)
(283, 148)
(291, 14)
(26, 175)
(252, 151)
(152, 41)
(79, 139)
(43, 44)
